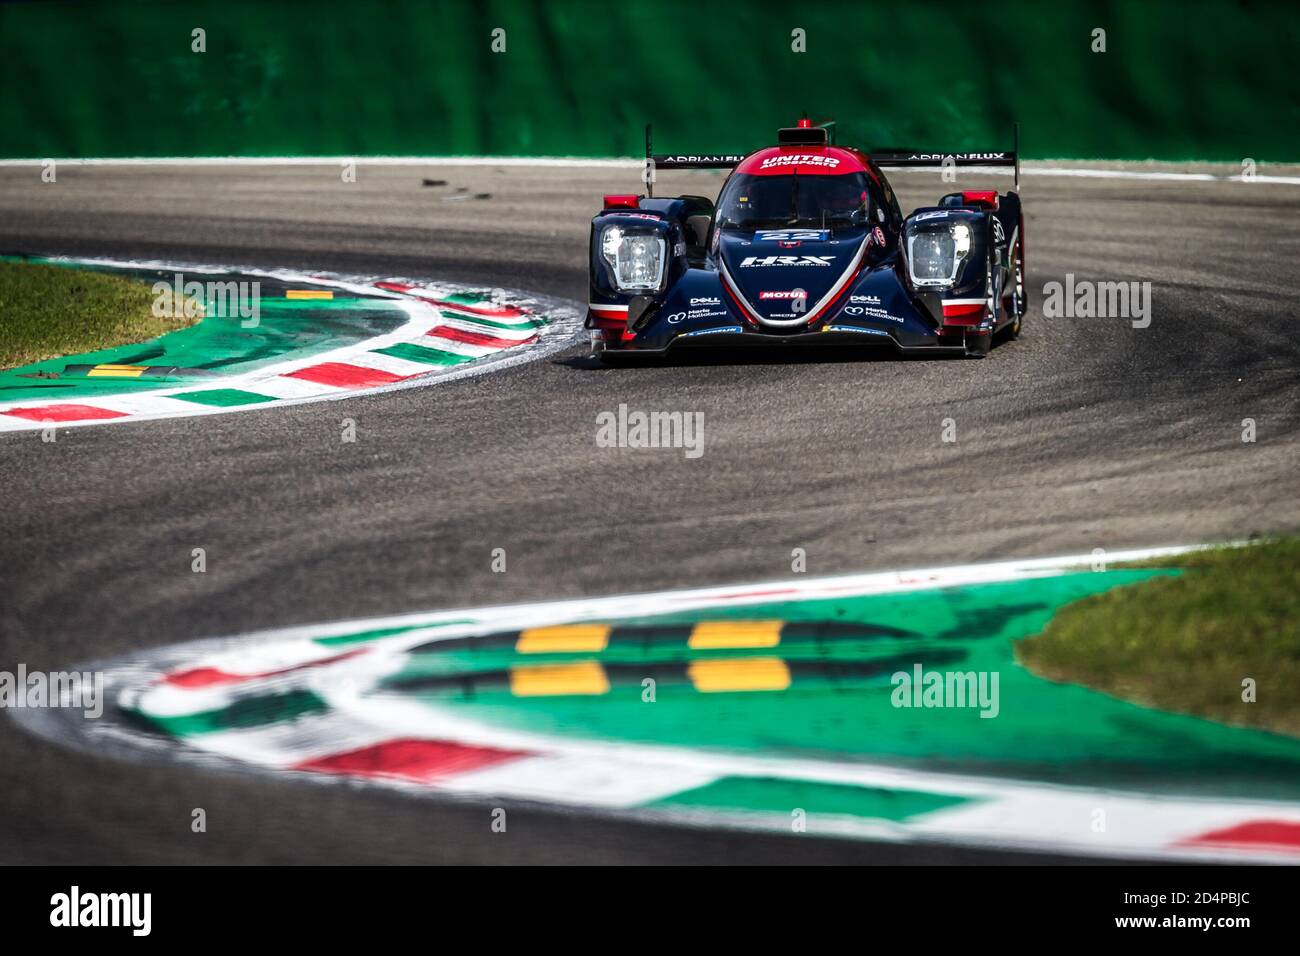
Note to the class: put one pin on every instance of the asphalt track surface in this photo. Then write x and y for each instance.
(1085, 433)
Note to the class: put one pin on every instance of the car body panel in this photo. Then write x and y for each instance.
(843, 279)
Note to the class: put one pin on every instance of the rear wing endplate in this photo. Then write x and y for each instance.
(919, 159)
(655, 161)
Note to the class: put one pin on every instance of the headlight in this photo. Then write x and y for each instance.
(935, 253)
(637, 258)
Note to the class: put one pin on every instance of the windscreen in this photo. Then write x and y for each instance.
(764, 202)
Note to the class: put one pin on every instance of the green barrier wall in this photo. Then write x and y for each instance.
(1214, 79)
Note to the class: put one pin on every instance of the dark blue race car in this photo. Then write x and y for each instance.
(806, 243)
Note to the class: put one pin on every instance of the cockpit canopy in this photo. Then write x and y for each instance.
(775, 201)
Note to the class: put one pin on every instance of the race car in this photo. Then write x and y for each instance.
(806, 244)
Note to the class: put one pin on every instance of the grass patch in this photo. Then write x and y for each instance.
(1185, 643)
(50, 311)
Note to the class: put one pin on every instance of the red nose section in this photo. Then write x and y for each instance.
(621, 201)
(988, 198)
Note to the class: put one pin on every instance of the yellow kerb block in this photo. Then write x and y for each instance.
(580, 638)
(554, 680)
(708, 635)
(117, 371)
(741, 674)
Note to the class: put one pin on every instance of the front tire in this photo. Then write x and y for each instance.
(621, 358)
(603, 352)
(1019, 298)
(978, 344)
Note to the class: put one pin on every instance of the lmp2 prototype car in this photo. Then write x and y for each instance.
(806, 244)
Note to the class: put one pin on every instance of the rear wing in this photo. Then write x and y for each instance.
(919, 159)
(705, 161)
(655, 161)
(820, 135)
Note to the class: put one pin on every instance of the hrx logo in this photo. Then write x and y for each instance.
(764, 261)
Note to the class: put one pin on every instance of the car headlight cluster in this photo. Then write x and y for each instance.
(936, 252)
(636, 258)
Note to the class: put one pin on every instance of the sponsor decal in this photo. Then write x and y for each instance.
(792, 235)
(865, 299)
(721, 328)
(706, 300)
(871, 313)
(706, 158)
(959, 157)
(692, 314)
(763, 262)
(936, 214)
(999, 236)
(784, 294)
(853, 328)
(798, 159)
(878, 236)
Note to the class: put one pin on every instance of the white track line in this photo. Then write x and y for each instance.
(578, 162)
(437, 624)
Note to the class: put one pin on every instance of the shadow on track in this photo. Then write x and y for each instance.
(754, 355)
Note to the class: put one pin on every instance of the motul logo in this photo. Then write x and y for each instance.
(764, 261)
